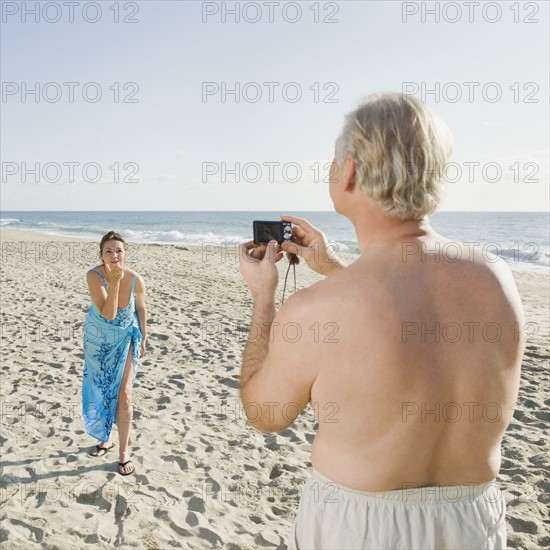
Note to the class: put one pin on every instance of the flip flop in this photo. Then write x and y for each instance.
(121, 465)
(99, 449)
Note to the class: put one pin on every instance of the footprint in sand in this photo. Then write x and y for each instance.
(181, 462)
(196, 504)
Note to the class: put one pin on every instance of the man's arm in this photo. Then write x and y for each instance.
(277, 374)
(257, 343)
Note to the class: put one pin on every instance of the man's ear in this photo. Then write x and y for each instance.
(348, 180)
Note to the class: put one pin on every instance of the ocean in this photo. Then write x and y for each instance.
(520, 238)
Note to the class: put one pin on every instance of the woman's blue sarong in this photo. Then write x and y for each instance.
(106, 347)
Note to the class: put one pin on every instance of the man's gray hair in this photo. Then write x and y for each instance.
(400, 149)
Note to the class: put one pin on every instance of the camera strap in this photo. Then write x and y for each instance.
(290, 263)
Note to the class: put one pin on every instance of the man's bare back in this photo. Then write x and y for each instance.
(420, 386)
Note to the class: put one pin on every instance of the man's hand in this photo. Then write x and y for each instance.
(311, 244)
(257, 266)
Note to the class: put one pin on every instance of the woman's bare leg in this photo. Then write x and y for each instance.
(124, 412)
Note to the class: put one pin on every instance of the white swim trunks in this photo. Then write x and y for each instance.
(331, 516)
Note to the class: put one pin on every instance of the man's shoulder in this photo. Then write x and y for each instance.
(321, 300)
(483, 265)
(485, 277)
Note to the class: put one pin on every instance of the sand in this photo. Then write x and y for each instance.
(204, 478)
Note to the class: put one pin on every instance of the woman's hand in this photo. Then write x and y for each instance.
(143, 345)
(114, 274)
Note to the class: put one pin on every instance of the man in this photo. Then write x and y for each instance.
(415, 384)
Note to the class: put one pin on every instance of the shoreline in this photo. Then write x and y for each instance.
(10, 234)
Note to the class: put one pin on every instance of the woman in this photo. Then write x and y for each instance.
(114, 340)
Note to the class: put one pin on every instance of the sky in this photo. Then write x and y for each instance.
(182, 105)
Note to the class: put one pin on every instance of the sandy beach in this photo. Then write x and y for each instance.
(204, 478)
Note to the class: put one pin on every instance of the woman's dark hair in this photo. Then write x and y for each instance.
(111, 236)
